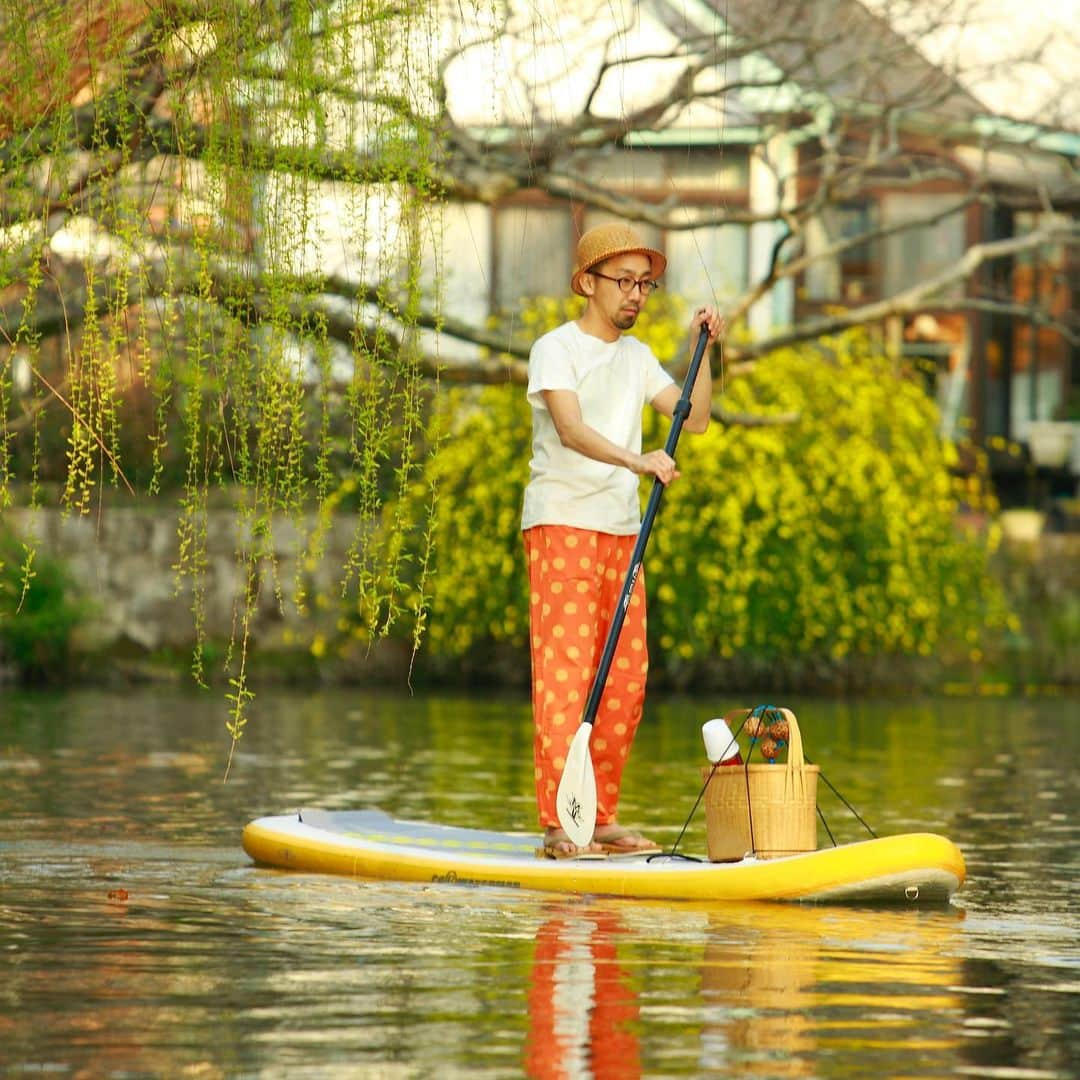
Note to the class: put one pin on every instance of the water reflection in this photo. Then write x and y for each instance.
(139, 940)
(582, 1008)
(779, 989)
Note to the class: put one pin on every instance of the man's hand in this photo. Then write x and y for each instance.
(657, 463)
(711, 319)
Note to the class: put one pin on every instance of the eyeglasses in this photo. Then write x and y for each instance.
(626, 284)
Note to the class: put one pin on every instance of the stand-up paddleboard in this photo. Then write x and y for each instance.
(911, 868)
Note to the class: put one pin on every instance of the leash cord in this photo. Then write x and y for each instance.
(854, 812)
(690, 817)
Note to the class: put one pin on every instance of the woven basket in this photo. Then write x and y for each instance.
(764, 810)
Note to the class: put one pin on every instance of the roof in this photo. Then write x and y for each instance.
(835, 50)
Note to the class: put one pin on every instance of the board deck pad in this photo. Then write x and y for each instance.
(379, 827)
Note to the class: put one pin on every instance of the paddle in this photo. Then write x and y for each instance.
(576, 798)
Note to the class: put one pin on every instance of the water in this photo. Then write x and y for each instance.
(138, 940)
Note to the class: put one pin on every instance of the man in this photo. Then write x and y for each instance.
(588, 385)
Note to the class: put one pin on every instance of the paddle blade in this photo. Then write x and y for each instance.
(575, 802)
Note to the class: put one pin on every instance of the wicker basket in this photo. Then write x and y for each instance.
(765, 810)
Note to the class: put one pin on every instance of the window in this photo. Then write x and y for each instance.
(852, 274)
(533, 253)
(918, 252)
(1040, 354)
(707, 264)
(456, 259)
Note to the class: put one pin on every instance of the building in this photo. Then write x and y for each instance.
(819, 163)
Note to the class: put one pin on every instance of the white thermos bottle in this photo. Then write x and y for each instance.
(720, 745)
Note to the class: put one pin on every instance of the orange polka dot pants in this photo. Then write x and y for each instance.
(575, 578)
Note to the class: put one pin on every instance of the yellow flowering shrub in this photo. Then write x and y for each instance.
(809, 547)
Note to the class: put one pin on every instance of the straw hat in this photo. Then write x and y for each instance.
(605, 241)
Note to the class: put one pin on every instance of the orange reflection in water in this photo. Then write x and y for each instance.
(581, 1003)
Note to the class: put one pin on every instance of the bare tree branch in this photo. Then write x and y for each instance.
(857, 122)
(926, 293)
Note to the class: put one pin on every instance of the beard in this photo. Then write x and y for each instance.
(625, 318)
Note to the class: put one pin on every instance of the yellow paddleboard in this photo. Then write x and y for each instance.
(911, 868)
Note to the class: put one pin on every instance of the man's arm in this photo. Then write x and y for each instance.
(701, 392)
(575, 434)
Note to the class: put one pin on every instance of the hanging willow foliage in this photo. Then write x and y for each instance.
(177, 183)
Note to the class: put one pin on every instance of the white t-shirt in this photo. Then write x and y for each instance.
(613, 381)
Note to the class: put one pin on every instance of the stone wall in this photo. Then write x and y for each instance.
(123, 561)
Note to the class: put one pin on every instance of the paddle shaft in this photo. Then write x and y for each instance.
(679, 415)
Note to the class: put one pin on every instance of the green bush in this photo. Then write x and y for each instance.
(39, 612)
(801, 553)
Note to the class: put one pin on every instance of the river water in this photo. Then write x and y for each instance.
(137, 939)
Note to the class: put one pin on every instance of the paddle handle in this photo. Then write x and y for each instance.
(679, 415)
